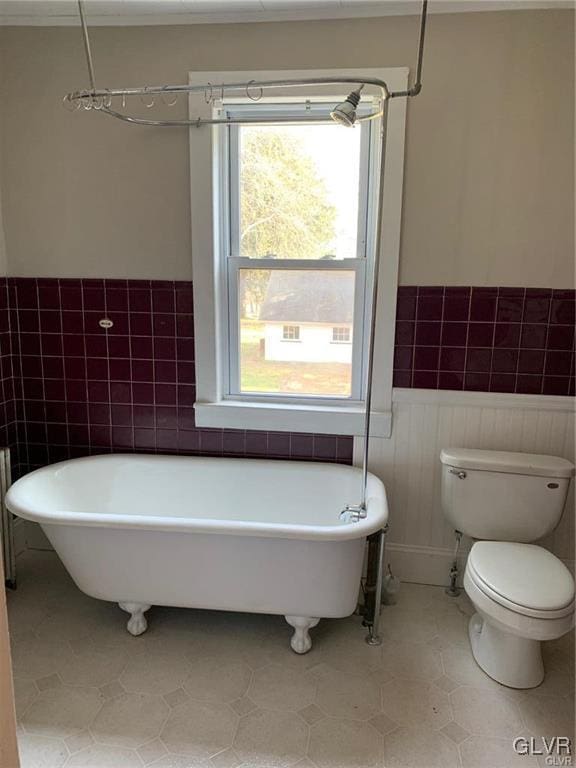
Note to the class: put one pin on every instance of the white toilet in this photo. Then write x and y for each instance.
(522, 593)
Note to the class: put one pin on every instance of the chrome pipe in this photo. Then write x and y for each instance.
(417, 86)
(374, 637)
(87, 50)
(374, 308)
(221, 87)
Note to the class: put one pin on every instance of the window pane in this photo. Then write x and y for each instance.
(299, 190)
(287, 321)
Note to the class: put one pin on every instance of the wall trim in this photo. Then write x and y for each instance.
(431, 565)
(484, 399)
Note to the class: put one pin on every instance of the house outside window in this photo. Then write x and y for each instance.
(289, 333)
(293, 207)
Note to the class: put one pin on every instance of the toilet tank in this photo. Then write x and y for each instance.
(503, 496)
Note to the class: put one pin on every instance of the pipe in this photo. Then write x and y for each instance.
(87, 51)
(374, 308)
(374, 597)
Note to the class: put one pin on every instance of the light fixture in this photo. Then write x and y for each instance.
(345, 112)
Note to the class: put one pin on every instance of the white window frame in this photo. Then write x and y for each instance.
(232, 261)
(214, 407)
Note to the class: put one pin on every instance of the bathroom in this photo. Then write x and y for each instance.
(227, 572)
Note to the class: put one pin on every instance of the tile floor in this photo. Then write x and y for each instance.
(205, 689)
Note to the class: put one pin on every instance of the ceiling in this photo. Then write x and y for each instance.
(136, 12)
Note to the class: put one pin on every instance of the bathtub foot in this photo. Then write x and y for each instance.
(300, 640)
(137, 623)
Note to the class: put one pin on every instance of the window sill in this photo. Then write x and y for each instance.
(277, 417)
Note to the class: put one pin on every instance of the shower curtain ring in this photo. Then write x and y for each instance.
(208, 94)
(150, 104)
(72, 105)
(167, 101)
(256, 97)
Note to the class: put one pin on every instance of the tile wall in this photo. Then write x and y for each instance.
(70, 387)
(86, 389)
(518, 340)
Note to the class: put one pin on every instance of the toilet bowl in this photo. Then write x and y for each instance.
(523, 595)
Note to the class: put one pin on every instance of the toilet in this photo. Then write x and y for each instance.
(522, 593)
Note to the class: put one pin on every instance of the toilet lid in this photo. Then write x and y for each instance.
(524, 575)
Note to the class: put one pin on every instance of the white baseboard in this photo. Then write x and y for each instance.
(430, 565)
(422, 565)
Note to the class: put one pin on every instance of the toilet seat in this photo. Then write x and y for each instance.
(523, 578)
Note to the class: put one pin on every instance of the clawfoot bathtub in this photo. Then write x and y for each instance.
(189, 532)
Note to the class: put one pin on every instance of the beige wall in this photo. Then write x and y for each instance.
(489, 195)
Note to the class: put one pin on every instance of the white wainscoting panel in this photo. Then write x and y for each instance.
(425, 421)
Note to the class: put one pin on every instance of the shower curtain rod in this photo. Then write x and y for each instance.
(100, 100)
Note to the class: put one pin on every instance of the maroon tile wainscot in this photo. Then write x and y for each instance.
(70, 387)
(518, 340)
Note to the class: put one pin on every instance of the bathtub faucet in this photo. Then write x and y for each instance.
(353, 513)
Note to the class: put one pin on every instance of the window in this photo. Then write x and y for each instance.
(297, 201)
(283, 252)
(341, 335)
(291, 333)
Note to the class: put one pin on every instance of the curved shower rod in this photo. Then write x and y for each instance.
(100, 99)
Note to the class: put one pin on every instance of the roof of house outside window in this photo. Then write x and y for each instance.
(305, 296)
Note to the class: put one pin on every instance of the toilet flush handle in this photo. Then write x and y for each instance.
(459, 474)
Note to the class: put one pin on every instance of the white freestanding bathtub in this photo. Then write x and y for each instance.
(229, 534)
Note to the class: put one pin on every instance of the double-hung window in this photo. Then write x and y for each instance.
(297, 204)
(294, 211)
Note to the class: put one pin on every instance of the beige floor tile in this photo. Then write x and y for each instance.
(311, 714)
(211, 654)
(226, 759)
(486, 713)
(93, 668)
(217, 679)
(486, 752)
(556, 683)
(271, 739)
(24, 613)
(453, 628)
(151, 751)
(283, 688)
(243, 706)
(33, 659)
(25, 691)
(41, 752)
(455, 733)
(180, 761)
(62, 711)
(79, 741)
(102, 756)
(344, 744)
(459, 665)
(418, 625)
(130, 720)
(153, 673)
(199, 729)
(419, 747)
(414, 702)
(547, 715)
(342, 694)
(67, 623)
(383, 724)
(412, 660)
